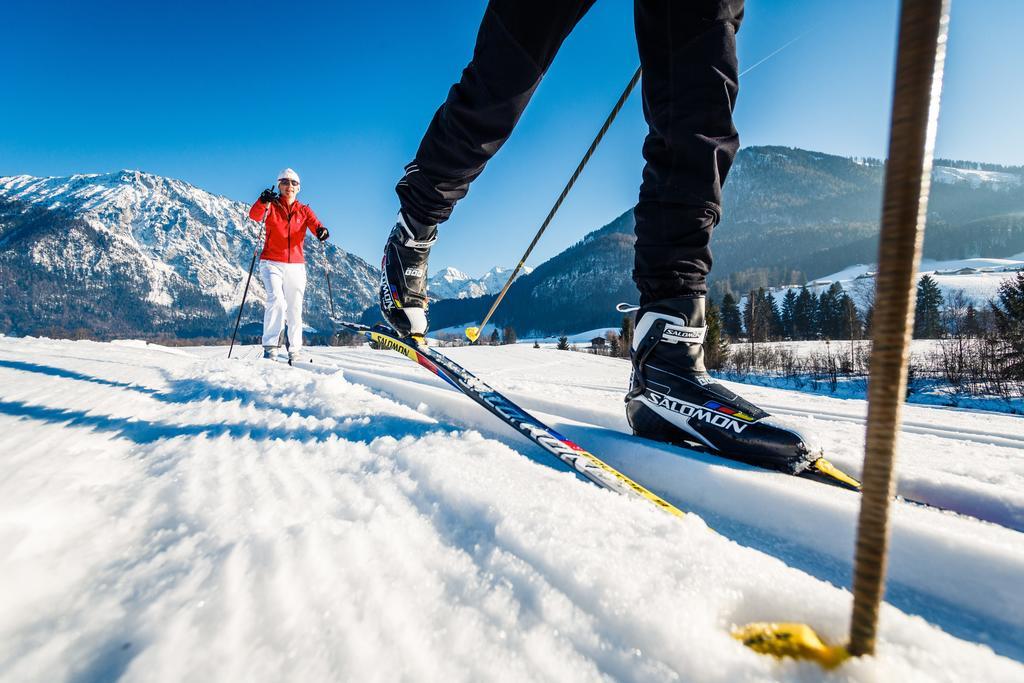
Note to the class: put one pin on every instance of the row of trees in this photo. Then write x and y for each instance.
(979, 349)
(977, 342)
(832, 314)
(835, 314)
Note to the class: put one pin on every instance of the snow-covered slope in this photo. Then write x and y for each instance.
(452, 283)
(976, 178)
(978, 278)
(178, 252)
(168, 514)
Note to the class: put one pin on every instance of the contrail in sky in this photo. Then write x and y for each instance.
(762, 61)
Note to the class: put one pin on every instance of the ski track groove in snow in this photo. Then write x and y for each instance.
(983, 496)
(179, 516)
(954, 433)
(403, 376)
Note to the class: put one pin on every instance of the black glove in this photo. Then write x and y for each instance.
(322, 234)
(268, 195)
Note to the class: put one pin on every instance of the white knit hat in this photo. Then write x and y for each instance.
(289, 174)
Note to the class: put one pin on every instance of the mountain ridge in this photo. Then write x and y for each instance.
(134, 253)
(154, 241)
(452, 283)
(790, 216)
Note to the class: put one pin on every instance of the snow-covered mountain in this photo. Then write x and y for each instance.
(136, 253)
(790, 215)
(978, 278)
(452, 283)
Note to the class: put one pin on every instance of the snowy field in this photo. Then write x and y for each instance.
(170, 515)
(927, 388)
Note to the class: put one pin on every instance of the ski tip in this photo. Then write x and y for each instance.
(836, 475)
(472, 333)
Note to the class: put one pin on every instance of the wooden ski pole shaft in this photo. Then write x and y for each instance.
(915, 112)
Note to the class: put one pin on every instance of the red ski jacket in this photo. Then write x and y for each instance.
(286, 229)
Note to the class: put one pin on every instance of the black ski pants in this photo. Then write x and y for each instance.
(690, 81)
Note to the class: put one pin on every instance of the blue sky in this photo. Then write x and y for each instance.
(224, 94)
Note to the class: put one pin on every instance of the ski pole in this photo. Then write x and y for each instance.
(330, 293)
(920, 56)
(473, 333)
(245, 293)
(915, 111)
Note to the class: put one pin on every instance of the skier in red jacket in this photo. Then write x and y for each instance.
(282, 265)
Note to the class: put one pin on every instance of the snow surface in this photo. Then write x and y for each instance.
(182, 516)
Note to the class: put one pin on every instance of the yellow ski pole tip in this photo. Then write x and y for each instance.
(798, 641)
(473, 333)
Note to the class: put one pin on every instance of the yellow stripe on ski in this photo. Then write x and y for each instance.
(393, 344)
(634, 486)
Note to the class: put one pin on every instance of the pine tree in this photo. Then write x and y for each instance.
(495, 337)
(563, 343)
(761, 316)
(772, 315)
(614, 348)
(972, 325)
(509, 335)
(830, 311)
(927, 316)
(731, 321)
(750, 315)
(804, 315)
(1008, 310)
(716, 347)
(626, 336)
(787, 314)
(849, 319)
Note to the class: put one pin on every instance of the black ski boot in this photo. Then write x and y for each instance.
(672, 397)
(403, 276)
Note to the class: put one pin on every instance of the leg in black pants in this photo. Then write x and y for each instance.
(516, 43)
(688, 55)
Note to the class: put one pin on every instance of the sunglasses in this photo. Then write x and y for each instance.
(286, 181)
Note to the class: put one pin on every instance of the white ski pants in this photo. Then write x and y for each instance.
(285, 284)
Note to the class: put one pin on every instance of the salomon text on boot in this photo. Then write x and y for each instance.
(403, 276)
(672, 397)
